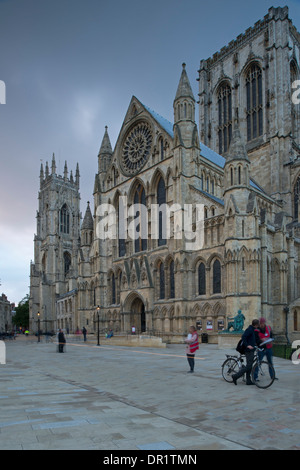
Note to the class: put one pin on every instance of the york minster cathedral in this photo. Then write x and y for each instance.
(240, 162)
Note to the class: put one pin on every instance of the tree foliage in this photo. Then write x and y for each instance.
(21, 318)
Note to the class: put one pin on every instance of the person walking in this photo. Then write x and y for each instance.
(250, 339)
(61, 341)
(192, 343)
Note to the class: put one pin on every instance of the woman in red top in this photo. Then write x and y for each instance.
(265, 333)
(191, 348)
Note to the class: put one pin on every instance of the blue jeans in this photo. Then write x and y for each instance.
(269, 356)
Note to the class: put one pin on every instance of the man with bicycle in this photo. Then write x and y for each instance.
(250, 339)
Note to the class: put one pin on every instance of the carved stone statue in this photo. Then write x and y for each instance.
(236, 322)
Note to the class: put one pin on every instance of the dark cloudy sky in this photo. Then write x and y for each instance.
(70, 68)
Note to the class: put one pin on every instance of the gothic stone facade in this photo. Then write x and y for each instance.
(242, 164)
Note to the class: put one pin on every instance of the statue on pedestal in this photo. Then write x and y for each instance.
(236, 323)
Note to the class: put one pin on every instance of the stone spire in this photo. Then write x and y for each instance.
(77, 176)
(237, 149)
(184, 89)
(184, 102)
(41, 174)
(88, 223)
(65, 171)
(105, 152)
(53, 166)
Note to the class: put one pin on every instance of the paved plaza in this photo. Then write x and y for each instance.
(127, 398)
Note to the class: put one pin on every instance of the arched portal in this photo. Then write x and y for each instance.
(138, 315)
(134, 307)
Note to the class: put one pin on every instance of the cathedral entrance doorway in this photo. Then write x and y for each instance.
(138, 315)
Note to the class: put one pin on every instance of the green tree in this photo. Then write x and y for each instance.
(21, 318)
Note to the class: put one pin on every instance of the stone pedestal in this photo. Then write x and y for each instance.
(228, 340)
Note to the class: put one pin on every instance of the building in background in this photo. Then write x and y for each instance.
(6, 309)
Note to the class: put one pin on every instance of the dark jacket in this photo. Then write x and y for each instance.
(250, 337)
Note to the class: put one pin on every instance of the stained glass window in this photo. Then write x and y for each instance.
(64, 220)
(113, 289)
(254, 102)
(121, 227)
(67, 262)
(172, 280)
(201, 279)
(161, 281)
(161, 199)
(217, 277)
(225, 117)
(140, 243)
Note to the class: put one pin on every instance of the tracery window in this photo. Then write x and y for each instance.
(113, 289)
(67, 262)
(296, 198)
(64, 220)
(161, 281)
(172, 280)
(217, 277)
(295, 113)
(201, 279)
(225, 117)
(140, 243)
(161, 199)
(254, 102)
(121, 228)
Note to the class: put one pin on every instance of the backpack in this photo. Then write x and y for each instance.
(240, 347)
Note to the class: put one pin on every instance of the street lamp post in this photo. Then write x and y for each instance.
(98, 330)
(39, 338)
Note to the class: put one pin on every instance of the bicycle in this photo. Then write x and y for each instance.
(262, 372)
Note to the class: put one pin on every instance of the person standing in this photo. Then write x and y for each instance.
(265, 333)
(250, 340)
(61, 341)
(192, 342)
(84, 332)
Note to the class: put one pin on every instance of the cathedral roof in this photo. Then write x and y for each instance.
(164, 123)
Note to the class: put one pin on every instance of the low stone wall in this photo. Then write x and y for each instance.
(130, 340)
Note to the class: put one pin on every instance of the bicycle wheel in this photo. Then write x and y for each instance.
(230, 367)
(263, 374)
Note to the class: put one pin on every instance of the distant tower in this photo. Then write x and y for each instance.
(54, 269)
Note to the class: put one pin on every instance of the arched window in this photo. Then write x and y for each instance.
(295, 113)
(64, 220)
(201, 279)
(161, 281)
(161, 145)
(217, 277)
(161, 200)
(121, 228)
(296, 198)
(172, 280)
(254, 102)
(67, 262)
(140, 243)
(225, 117)
(295, 320)
(113, 289)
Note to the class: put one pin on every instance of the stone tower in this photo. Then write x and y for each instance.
(251, 80)
(54, 270)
